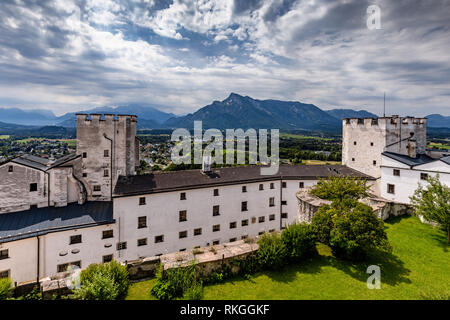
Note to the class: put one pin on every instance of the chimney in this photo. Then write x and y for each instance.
(206, 164)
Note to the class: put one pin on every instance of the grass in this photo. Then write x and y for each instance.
(418, 268)
(4, 136)
(302, 137)
(317, 162)
(437, 145)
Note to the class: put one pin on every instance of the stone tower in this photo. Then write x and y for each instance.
(109, 148)
(363, 141)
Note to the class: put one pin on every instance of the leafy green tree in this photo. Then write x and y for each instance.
(272, 251)
(101, 286)
(342, 189)
(300, 241)
(433, 203)
(5, 288)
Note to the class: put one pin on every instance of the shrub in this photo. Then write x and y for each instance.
(272, 251)
(173, 283)
(112, 270)
(357, 232)
(300, 241)
(101, 286)
(322, 223)
(5, 288)
(195, 292)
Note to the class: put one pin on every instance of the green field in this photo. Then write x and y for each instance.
(439, 145)
(309, 162)
(418, 268)
(302, 137)
(5, 136)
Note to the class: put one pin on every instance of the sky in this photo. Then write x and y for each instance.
(72, 55)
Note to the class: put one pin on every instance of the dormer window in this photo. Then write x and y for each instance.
(10, 169)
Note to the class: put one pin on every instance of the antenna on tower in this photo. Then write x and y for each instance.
(384, 105)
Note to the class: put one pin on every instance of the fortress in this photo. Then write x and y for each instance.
(91, 207)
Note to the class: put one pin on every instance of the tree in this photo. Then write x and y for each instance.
(342, 189)
(433, 203)
(272, 251)
(300, 241)
(5, 288)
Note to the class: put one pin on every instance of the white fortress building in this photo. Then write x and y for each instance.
(91, 207)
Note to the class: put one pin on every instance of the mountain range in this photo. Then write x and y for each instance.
(236, 111)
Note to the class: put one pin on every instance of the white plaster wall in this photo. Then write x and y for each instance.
(22, 261)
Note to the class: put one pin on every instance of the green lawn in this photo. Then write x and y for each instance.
(418, 268)
(4, 136)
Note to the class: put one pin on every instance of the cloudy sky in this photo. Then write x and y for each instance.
(71, 55)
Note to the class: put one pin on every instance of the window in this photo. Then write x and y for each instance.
(371, 144)
(374, 162)
(284, 202)
(284, 215)
(182, 234)
(121, 246)
(261, 187)
(271, 230)
(233, 239)
(63, 267)
(353, 159)
(182, 215)
(106, 153)
(97, 188)
(233, 225)
(216, 192)
(271, 217)
(181, 250)
(10, 169)
(142, 201)
(107, 258)
(397, 172)
(84, 154)
(261, 233)
(301, 185)
(84, 174)
(105, 173)
(391, 188)
(216, 242)
(354, 143)
(216, 211)
(272, 185)
(4, 274)
(244, 237)
(142, 222)
(142, 242)
(244, 206)
(216, 227)
(253, 219)
(244, 222)
(159, 239)
(261, 219)
(272, 202)
(283, 184)
(244, 188)
(108, 234)
(75, 239)
(183, 196)
(197, 231)
(33, 187)
(423, 176)
(4, 254)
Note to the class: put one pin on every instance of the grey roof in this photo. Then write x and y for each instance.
(42, 164)
(420, 159)
(445, 159)
(39, 221)
(189, 179)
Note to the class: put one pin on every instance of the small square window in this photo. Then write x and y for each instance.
(107, 258)
(244, 237)
(244, 206)
(244, 223)
(106, 153)
(10, 169)
(159, 239)
(142, 222)
(354, 143)
(272, 202)
(233, 225)
(271, 217)
(97, 188)
(371, 144)
(142, 242)
(75, 239)
(374, 162)
(261, 233)
(107, 234)
(216, 242)
(197, 231)
(182, 216)
(284, 202)
(85, 155)
(283, 184)
(261, 219)
(183, 196)
(244, 188)
(301, 185)
(423, 176)
(4, 254)
(33, 187)
(216, 227)
(261, 187)
(391, 188)
(284, 215)
(233, 239)
(216, 192)
(142, 201)
(182, 234)
(396, 172)
(84, 174)
(272, 185)
(121, 246)
(105, 173)
(353, 159)
(216, 211)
